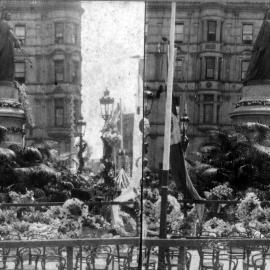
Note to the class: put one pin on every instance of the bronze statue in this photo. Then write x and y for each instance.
(8, 42)
(259, 67)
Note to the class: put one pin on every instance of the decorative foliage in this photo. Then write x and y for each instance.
(15, 130)
(28, 197)
(249, 208)
(10, 104)
(25, 103)
(220, 192)
(253, 103)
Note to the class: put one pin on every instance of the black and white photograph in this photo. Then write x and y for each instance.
(134, 135)
(206, 136)
(71, 110)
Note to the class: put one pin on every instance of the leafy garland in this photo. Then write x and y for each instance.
(253, 103)
(11, 104)
(25, 103)
(15, 130)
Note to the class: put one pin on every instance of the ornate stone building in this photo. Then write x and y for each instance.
(214, 40)
(50, 34)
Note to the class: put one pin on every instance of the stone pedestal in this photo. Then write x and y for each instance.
(12, 115)
(254, 105)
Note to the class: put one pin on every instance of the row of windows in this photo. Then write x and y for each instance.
(210, 68)
(247, 32)
(59, 111)
(59, 72)
(64, 33)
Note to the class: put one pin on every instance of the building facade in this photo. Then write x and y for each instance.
(49, 32)
(214, 41)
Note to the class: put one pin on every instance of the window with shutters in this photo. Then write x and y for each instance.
(211, 30)
(75, 72)
(59, 32)
(210, 67)
(244, 68)
(247, 33)
(71, 30)
(19, 75)
(178, 72)
(179, 32)
(219, 68)
(208, 109)
(59, 112)
(59, 70)
(20, 32)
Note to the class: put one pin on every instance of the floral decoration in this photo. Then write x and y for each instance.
(112, 137)
(216, 226)
(221, 192)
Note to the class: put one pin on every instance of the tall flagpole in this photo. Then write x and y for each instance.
(121, 125)
(167, 137)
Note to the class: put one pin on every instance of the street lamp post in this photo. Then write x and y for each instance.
(184, 126)
(106, 108)
(81, 125)
(184, 143)
(144, 125)
(148, 101)
(106, 105)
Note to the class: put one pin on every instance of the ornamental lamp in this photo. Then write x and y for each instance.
(81, 126)
(148, 101)
(106, 105)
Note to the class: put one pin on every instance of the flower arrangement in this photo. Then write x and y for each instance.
(74, 208)
(112, 137)
(216, 226)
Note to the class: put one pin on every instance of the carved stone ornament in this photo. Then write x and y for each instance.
(253, 103)
(208, 84)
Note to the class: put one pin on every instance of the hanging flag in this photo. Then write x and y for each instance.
(177, 162)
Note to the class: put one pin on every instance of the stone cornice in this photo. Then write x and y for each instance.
(193, 6)
(44, 6)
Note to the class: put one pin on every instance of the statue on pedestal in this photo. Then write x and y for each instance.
(8, 42)
(259, 67)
